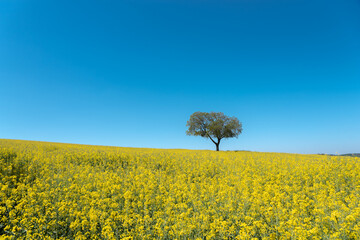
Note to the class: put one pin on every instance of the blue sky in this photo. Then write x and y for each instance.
(130, 73)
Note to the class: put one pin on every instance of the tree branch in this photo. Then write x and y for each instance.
(211, 139)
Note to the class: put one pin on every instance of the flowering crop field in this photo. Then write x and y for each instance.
(69, 191)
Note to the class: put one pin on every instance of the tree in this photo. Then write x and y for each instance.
(213, 125)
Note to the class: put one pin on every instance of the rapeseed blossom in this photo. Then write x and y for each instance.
(68, 191)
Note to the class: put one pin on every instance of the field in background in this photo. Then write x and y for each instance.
(67, 191)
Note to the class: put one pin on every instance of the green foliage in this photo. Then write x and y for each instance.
(213, 125)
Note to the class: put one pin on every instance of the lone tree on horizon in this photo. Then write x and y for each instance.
(213, 125)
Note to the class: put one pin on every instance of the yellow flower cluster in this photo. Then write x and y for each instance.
(68, 191)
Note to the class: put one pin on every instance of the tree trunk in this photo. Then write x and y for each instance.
(217, 144)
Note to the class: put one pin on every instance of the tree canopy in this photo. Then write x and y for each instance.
(213, 125)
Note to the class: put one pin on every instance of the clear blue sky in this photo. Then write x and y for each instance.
(130, 73)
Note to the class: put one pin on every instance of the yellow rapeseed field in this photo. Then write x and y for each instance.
(68, 191)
